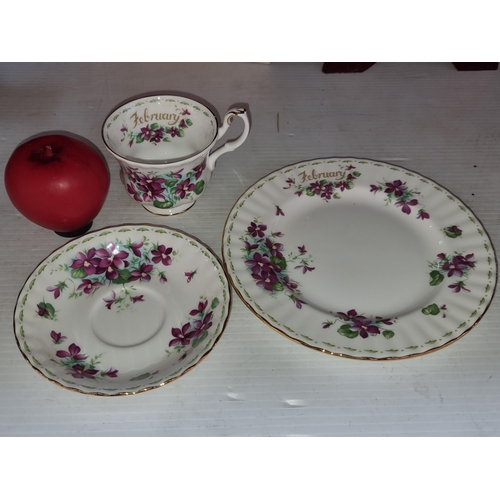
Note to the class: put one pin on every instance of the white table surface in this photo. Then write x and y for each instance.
(429, 118)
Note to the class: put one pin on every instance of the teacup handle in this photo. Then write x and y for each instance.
(235, 143)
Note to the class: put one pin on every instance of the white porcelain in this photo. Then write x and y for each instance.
(359, 258)
(122, 310)
(163, 144)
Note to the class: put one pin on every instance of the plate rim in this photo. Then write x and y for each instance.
(341, 354)
(147, 388)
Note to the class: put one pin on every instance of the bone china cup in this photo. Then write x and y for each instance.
(164, 144)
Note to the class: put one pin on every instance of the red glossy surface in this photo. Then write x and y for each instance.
(57, 182)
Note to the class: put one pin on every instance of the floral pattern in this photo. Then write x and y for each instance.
(67, 355)
(354, 325)
(452, 231)
(322, 187)
(155, 133)
(452, 266)
(397, 192)
(75, 362)
(46, 310)
(195, 330)
(120, 263)
(165, 190)
(269, 266)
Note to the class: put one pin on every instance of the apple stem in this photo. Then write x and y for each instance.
(48, 153)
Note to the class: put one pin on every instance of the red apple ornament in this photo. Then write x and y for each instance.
(57, 182)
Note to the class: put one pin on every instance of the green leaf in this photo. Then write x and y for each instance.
(215, 303)
(181, 132)
(162, 204)
(78, 273)
(278, 287)
(350, 185)
(199, 187)
(436, 278)
(141, 377)
(188, 122)
(199, 340)
(309, 192)
(154, 126)
(171, 183)
(281, 262)
(432, 309)
(139, 139)
(124, 277)
(166, 139)
(346, 331)
(50, 309)
(388, 334)
(356, 173)
(336, 196)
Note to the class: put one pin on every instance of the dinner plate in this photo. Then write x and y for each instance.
(122, 310)
(359, 258)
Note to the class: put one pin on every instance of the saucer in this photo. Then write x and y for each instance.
(359, 258)
(122, 310)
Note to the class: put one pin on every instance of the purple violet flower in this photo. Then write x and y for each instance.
(142, 274)
(305, 268)
(146, 133)
(364, 327)
(258, 263)
(199, 310)
(73, 352)
(79, 371)
(162, 254)
(405, 205)
(183, 188)
(202, 325)
(395, 187)
(55, 289)
(88, 262)
(57, 338)
(135, 248)
(458, 286)
(89, 286)
(265, 279)
(256, 230)
(182, 335)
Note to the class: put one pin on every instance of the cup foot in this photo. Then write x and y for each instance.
(77, 232)
(169, 211)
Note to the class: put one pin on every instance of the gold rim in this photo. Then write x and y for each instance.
(148, 388)
(326, 351)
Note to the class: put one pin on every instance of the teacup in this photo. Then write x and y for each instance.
(164, 144)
